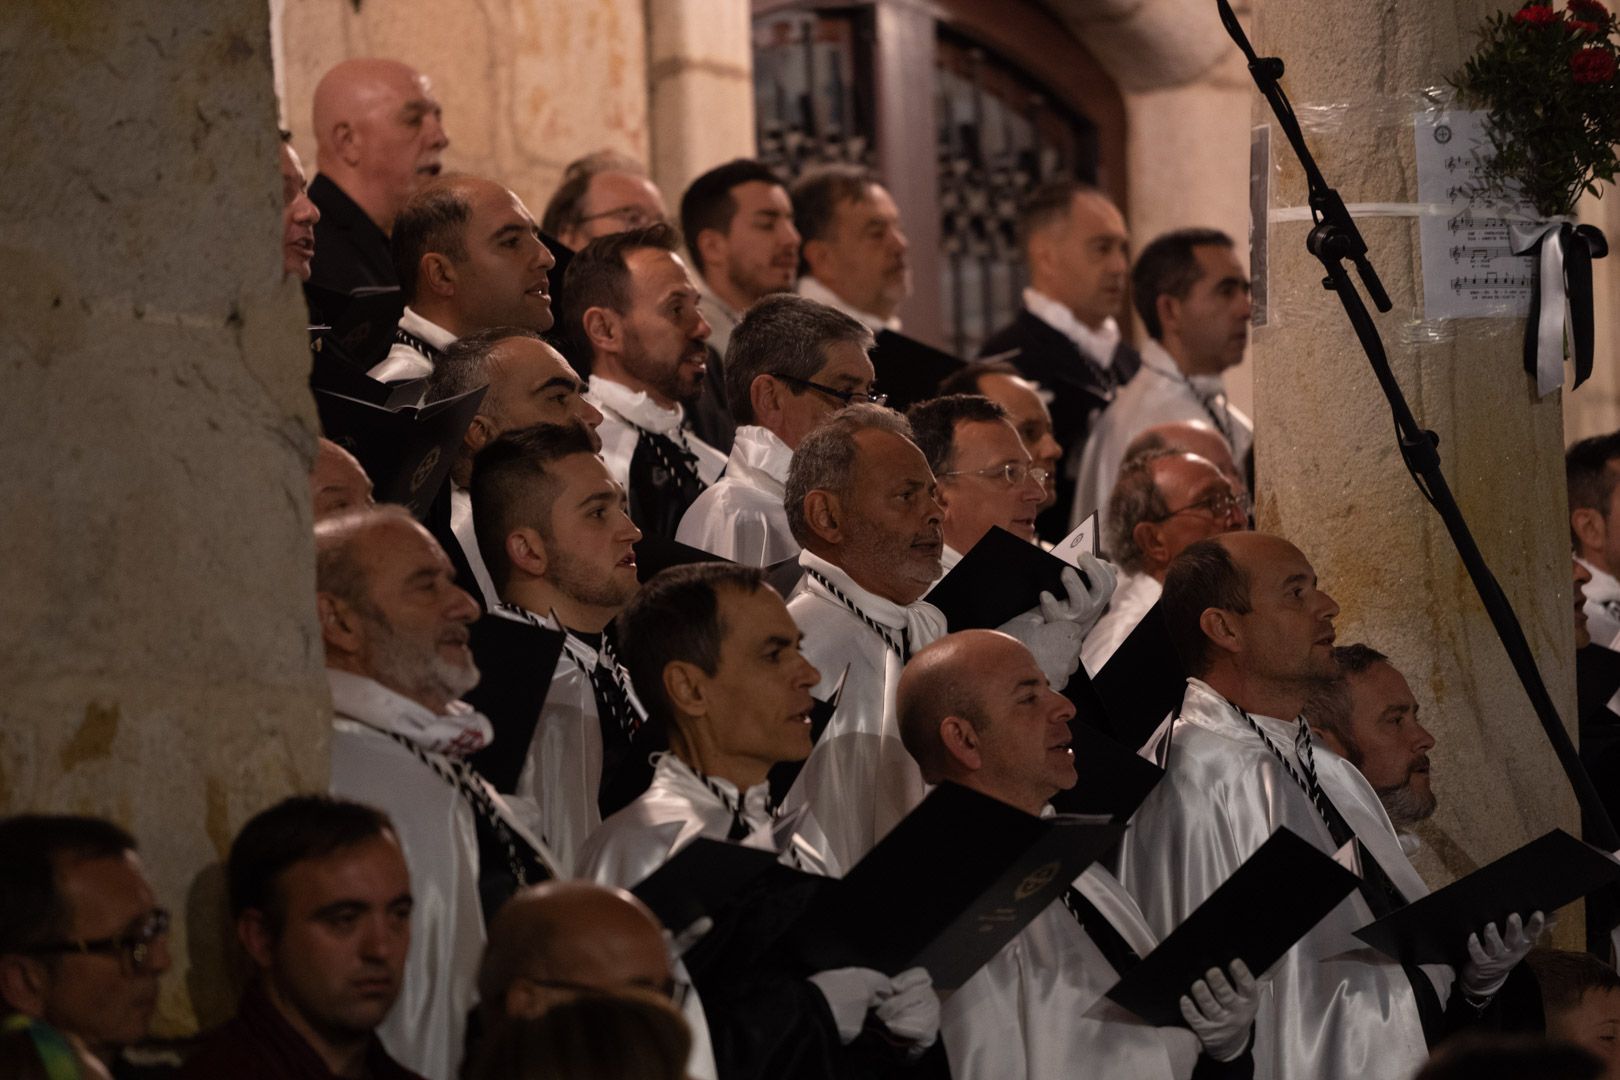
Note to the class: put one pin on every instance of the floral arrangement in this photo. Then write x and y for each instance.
(1546, 79)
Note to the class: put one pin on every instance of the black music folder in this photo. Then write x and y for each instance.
(516, 661)
(1000, 579)
(406, 452)
(908, 370)
(1143, 682)
(1114, 778)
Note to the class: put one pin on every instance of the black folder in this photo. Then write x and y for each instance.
(516, 661)
(1001, 578)
(1597, 680)
(1275, 898)
(1143, 682)
(1543, 875)
(360, 324)
(908, 370)
(949, 886)
(406, 452)
(1114, 778)
(701, 879)
(333, 372)
(655, 553)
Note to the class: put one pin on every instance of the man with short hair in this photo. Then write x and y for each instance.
(1581, 996)
(601, 194)
(1165, 501)
(528, 382)
(852, 248)
(394, 626)
(83, 941)
(976, 710)
(984, 473)
(738, 223)
(299, 215)
(469, 258)
(322, 902)
(792, 363)
(1066, 336)
(1592, 473)
(1193, 297)
(1191, 437)
(336, 481)
(632, 308)
(717, 658)
(1369, 717)
(559, 546)
(379, 135)
(1001, 383)
(1245, 613)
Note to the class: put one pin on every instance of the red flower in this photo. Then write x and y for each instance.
(1592, 65)
(1590, 10)
(1535, 15)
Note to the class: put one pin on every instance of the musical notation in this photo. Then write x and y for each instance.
(1480, 251)
(1491, 281)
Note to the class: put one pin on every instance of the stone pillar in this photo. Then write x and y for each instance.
(1330, 477)
(700, 76)
(159, 652)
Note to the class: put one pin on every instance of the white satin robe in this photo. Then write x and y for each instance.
(741, 517)
(1332, 1008)
(859, 781)
(1133, 598)
(1036, 1011)
(426, 1029)
(620, 403)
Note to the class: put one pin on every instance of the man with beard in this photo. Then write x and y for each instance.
(528, 383)
(322, 902)
(469, 258)
(394, 626)
(853, 251)
(299, 215)
(378, 138)
(632, 308)
(1245, 612)
(738, 223)
(559, 547)
(1369, 717)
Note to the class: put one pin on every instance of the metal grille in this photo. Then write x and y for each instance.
(813, 89)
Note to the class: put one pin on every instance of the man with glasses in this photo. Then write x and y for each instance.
(601, 194)
(1165, 501)
(1001, 383)
(792, 363)
(82, 940)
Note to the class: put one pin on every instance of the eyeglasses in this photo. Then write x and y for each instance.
(133, 950)
(631, 217)
(848, 397)
(1014, 472)
(1222, 504)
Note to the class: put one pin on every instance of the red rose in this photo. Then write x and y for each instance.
(1592, 65)
(1535, 15)
(1590, 10)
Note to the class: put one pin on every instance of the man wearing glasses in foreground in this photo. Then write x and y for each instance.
(82, 940)
(791, 363)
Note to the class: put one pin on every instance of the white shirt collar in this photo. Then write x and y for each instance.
(1603, 587)
(457, 733)
(431, 332)
(948, 558)
(1156, 358)
(811, 288)
(761, 450)
(922, 621)
(636, 406)
(755, 804)
(1098, 344)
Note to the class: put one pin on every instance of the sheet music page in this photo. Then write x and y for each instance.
(1468, 269)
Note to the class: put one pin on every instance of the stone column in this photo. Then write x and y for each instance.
(159, 652)
(1330, 477)
(700, 86)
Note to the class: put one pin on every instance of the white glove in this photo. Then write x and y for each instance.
(909, 1008)
(1221, 1013)
(1083, 606)
(850, 993)
(1491, 956)
(1055, 645)
(679, 943)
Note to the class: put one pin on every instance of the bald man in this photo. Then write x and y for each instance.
(337, 482)
(975, 710)
(378, 138)
(469, 258)
(1188, 436)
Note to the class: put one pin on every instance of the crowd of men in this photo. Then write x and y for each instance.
(715, 594)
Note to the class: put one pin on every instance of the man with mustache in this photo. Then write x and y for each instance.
(379, 135)
(1193, 297)
(853, 250)
(469, 257)
(394, 626)
(633, 310)
(1247, 616)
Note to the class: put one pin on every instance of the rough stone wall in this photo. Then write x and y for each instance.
(159, 651)
(700, 70)
(1329, 471)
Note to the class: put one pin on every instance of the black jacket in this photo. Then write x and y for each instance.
(351, 252)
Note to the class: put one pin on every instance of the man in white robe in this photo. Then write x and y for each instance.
(632, 308)
(976, 710)
(1592, 473)
(1193, 297)
(560, 548)
(792, 363)
(1246, 614)
(717, 658)
(1165, 500)
(470, 258)
(394, 626)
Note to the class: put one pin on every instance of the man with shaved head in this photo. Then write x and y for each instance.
(976, 710)
(378, 138)
(336, 481)
(469, 257)
(394, 626)
(1256, 631)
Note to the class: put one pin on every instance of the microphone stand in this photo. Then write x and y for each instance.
(1333, 239)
